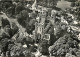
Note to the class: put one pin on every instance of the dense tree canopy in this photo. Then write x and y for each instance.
(71, 0)
(5, 22)
(63, 45)
(44, 47)
(26, 21)
(19, 7)
(23, 18)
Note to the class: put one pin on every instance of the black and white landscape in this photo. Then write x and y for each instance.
(39, 28)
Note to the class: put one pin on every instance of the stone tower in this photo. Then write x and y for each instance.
(39, 26)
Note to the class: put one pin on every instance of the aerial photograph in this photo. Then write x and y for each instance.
(39, 28)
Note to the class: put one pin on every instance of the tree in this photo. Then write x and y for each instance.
(16, 50)
(5, 22)
(19, 8)
(23, 18)
(27, 22)
(44, 47)
(16, 1)
(11, 10)
(8, 30)
(73, 4)
(6, 5)
(4, 45)
(0, 6)
(71, 0)
(52, 36)
(31, 26)
(63, 45)
(14, 29)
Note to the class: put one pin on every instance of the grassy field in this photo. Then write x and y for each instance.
(63, 4)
